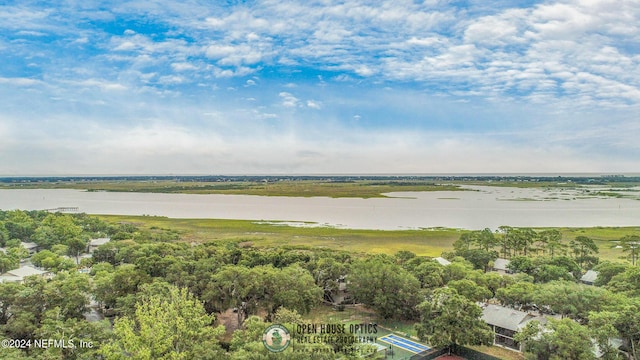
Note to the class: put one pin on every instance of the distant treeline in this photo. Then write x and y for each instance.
(596, 179)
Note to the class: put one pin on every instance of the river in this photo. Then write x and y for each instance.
(480, 207)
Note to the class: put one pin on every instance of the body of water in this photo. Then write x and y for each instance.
(482, 206)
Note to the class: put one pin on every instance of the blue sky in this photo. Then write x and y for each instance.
(272, 87)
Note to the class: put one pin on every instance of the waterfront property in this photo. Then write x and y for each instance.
(95, 243)
(31, 247)
(505, 323)
(502, 266)
(589, 277)
(18, 275)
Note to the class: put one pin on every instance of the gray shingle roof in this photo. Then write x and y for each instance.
(589, 276)
(99, 241)
(501, 264)
(506, 318)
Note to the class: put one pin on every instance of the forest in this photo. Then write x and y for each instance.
(151, 293)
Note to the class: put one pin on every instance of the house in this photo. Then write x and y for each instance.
(502, 266)
(442, 261)
(341, 295)
(505, 323)
(615, 343)
(589, 277)
(95, 243)
(18, 275)
(31, 247)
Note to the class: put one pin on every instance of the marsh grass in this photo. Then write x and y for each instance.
(297, 188)
(428, 242)
(425, 242)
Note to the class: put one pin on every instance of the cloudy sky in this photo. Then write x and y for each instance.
(273, 87)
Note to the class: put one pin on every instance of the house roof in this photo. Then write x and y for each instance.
(501, 264)
(25, 271)
(99, 241)
(442, 261)
(589, 276)
(505, 317)
(29, 245)
(20, 273)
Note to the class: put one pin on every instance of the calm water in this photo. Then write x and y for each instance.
(483, 207)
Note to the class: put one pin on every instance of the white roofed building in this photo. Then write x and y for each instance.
(442, 261)
(18, 275)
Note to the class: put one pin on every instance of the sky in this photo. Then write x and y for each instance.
(319, 87)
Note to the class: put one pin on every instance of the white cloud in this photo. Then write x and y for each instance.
(314, 104)
(20, 81)
(288, 100)
(571, 59)
(183, 66)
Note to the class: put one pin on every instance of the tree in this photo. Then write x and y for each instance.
(8, 262)
(385, 286)
(236, 287)
(559, 340)
(291, 287)
(54, 325)
(583, 248)
(518, 294)
(110, 287)
(551, 240)
(631, 245)
(606, 271)
(284, 315)
(430, 274)
(470, 290)
(448, 318)
(627, 282)
(547, 272)
(463, 243)
(57, 229)
(505, 240)
(521, 264)
(480, 258)
(485, 239)
(19, 225)
(75, 247)
(523, 239)
(326, 272)
(602, 328)
(628, 323)
(572, 299)
(52, 261)
(70, 293)
(4, 234)
(173, 327)
(246, 344)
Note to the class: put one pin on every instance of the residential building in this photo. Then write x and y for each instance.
(502, 266)
(18, 275)
(442, 261)
(589, 277)
(505, 323)
(31, 247)
(95, 243)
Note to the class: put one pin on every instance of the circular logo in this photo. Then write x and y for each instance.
(276, 338)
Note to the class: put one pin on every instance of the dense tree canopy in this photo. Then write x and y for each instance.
(154, 284)
(448, 318)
